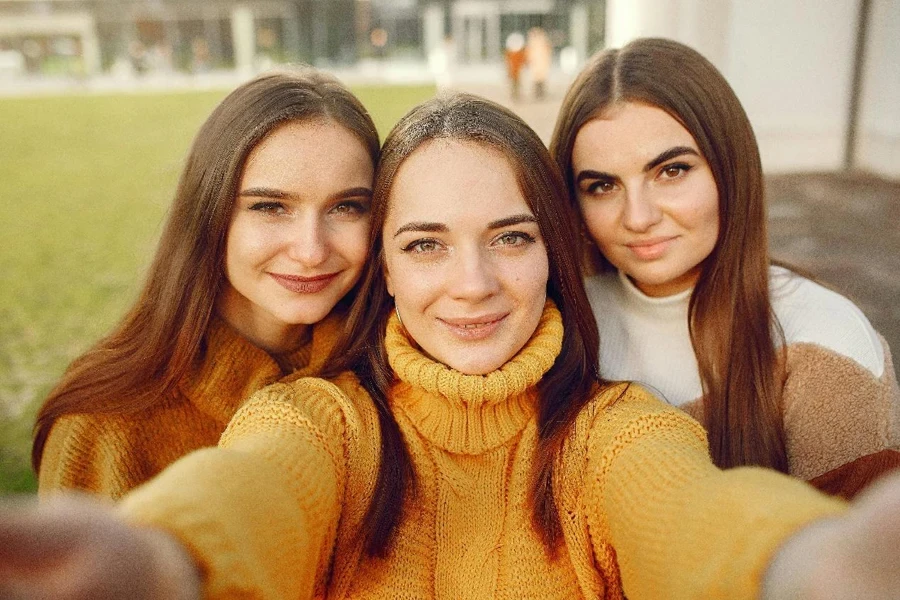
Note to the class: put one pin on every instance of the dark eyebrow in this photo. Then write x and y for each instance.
(264, 192)
(354, 193)
(423, 226)
(588, 174)
(660, 159)
(441, 228)
(512, 220)
(668, 155)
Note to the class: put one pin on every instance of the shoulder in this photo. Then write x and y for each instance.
(337, 407)
(812, 314)
(86, 452)
(622, 411)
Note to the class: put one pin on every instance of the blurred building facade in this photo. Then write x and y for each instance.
(90, 37)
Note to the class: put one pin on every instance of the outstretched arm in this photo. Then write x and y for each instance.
(73, 548)
(255, 517)
(853, 556)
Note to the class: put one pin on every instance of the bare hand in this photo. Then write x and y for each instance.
(74, 548)
(854, 556)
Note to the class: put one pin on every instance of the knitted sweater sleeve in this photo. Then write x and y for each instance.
(259, 513)
(679, 527)
(842, 422)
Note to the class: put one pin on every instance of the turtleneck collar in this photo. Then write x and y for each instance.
(232, 368)
(674, 306)
(471, 414)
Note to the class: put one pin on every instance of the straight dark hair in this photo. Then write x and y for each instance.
(163, 334)
(566, 387)
(730, 315)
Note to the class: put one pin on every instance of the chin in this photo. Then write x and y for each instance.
(476, 367)
(306, 317)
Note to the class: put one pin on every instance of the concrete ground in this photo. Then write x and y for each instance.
(842, 228)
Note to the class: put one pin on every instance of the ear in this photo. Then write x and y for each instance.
(387, 279)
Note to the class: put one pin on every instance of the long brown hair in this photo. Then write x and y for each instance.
(566, 387)
(163, 334)
(730, 315)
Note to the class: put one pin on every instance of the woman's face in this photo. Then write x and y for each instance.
(297, 239)
(647, 196)
(464, 257)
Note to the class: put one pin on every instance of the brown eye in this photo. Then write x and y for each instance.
(601, 187)
(676, 170)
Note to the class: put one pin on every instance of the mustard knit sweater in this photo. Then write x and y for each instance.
(109, 454)
(275, 511)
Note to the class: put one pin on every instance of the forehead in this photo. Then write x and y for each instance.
(628, 132)
(447, 180)
(309, 145)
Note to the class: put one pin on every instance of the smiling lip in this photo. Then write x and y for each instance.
(305, 285)
(474, 329)
(650, 249)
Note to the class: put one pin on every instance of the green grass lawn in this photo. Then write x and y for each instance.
(85, 182)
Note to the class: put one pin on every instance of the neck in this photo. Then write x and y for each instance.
(264, 331)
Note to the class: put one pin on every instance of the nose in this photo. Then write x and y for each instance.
(308, 243)
(473, 276)
(641, 211)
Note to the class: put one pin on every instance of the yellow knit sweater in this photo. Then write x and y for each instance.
(275, 511)
(109, 454)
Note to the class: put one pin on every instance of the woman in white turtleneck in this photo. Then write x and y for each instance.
(660, 157)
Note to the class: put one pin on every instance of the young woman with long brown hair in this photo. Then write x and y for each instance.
(661, 160)
(266, 236)
(471, 451)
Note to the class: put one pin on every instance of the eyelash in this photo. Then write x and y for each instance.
(412, 246)
(268, 207)
(594, 188)
(355, 207)
(520, 237)
(681, 167)
(352, 207)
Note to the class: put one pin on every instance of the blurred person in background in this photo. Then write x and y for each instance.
(514, 55)
(539, 55)
(661, 160)
(471, 451)
(263, 247)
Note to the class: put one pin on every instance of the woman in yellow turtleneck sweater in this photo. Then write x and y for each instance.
(470, 450)
(265, 238)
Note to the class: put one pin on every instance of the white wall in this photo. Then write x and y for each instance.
(878, 134)
(791, 64)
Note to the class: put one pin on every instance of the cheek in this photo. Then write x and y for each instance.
(705, 218)
(529, 279)
(352, 244)
(599, 221)
(247, 244)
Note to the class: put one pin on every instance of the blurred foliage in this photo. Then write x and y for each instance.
(86, 184)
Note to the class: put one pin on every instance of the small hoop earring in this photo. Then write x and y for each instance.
(397, 312)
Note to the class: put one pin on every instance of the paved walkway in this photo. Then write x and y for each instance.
(842, 228)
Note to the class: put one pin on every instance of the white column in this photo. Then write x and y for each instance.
(433, 28)
(243, 36)
(878, 137)
(578, 30)
(90, 48)
(494, 43)
(630, 19)
(701, 24)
